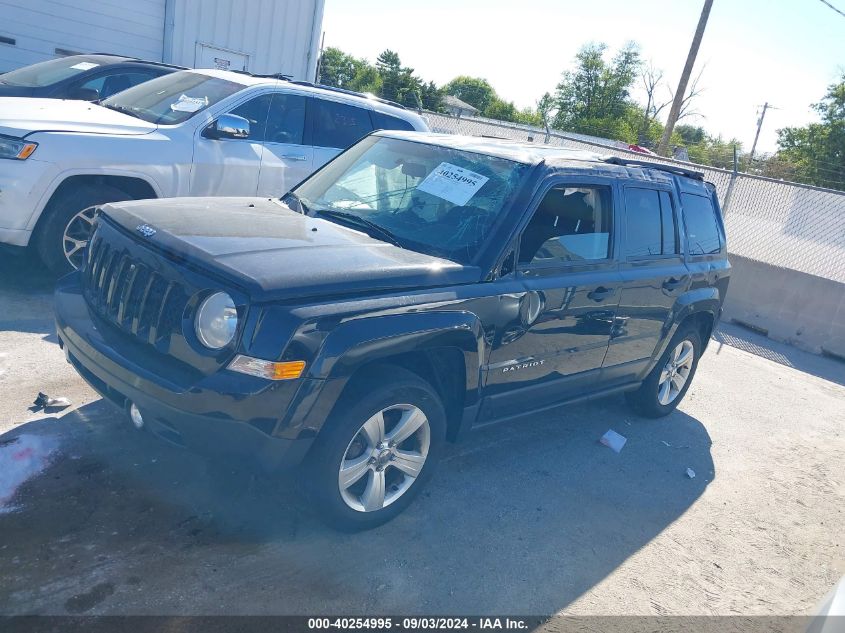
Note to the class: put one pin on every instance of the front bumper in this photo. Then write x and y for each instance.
(200, 418)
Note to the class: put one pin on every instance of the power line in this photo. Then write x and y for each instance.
(842, 13)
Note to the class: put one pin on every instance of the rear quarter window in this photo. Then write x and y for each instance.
(339, 125)
(383, 121)
(703, 236)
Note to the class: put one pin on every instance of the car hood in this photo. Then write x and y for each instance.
(20, 116)
(272, 252)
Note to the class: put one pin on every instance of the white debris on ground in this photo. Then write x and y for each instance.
(21, 458)
(613, 440)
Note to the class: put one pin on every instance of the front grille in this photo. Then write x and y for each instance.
(131, 295)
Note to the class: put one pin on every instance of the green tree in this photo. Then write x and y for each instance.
(431, 97)
(398, 83)
(816, 152)
(337, 68)
(596, 94)
(472, 90)
(545, 108)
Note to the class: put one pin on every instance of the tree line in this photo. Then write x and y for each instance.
(595, 97)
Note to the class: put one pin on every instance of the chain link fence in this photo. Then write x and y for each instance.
(775, 222)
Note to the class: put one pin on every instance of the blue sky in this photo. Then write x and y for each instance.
(783, 51)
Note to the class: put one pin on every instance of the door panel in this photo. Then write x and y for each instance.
(559, 329)
(654, 276)
(555, 338)
(231, 167)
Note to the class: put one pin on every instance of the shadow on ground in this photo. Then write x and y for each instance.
(781, 353)
(524, 518)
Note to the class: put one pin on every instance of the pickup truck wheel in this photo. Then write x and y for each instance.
(66, 227)
(668, 382)
(373, 458)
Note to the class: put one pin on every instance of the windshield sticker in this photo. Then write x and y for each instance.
(84, 66)
(189, 104)
(452, 183)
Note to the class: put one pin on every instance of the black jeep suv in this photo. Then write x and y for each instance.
(414, 286)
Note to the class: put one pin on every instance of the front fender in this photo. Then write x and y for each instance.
(361, 341)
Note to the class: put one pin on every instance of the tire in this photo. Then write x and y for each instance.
(400, 397)
(654, 399)
(68, 217)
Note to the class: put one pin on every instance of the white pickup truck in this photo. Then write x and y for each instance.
(190, 133)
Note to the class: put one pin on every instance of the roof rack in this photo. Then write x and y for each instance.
(672, 169)
(281, 76)
(348, 92)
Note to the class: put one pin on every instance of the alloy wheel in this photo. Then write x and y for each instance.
(76, 235)
(384, 458)
(675, 372)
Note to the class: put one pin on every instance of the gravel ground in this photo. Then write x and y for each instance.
(533, 517)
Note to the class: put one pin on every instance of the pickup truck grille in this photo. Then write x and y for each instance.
(131, 295)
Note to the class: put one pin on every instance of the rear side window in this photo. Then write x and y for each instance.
(643, 235)
(571, 224)
(339, 125)
(701, 224)
(650, 223)
(383, 121)
(286, 121)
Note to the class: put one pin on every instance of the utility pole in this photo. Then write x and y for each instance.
(766, 106)
(678, 101)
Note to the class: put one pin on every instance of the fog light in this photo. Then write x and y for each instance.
(271, 370)
(135, 416)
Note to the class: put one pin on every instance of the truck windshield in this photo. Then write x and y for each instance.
(173, 98)
(437, 200)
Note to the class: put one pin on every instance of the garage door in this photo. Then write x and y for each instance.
(38, 30)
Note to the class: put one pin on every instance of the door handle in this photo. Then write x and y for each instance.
(293, 156)
(600, 294)
(673, 284)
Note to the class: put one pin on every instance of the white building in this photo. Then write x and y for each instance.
(261, 36)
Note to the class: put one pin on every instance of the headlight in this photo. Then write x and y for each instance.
(216, 321)
(16, 148)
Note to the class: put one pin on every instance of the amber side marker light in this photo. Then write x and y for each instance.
(288, 370)
(26, 151)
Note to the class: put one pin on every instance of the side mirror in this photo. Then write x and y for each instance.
(228, 126)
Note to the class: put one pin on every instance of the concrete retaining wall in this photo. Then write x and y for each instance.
(791, 306)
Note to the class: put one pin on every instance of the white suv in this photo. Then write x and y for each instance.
(190, 133)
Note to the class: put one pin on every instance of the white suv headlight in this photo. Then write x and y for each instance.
(16, 148)
(216, 321)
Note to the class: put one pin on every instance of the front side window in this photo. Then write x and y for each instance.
(436, 200)
(338, 125)
(701, 224)
(173, 98)
(255, 111)
(571, 224)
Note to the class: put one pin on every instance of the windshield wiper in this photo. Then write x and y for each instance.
(351, 218)
(120, 108)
